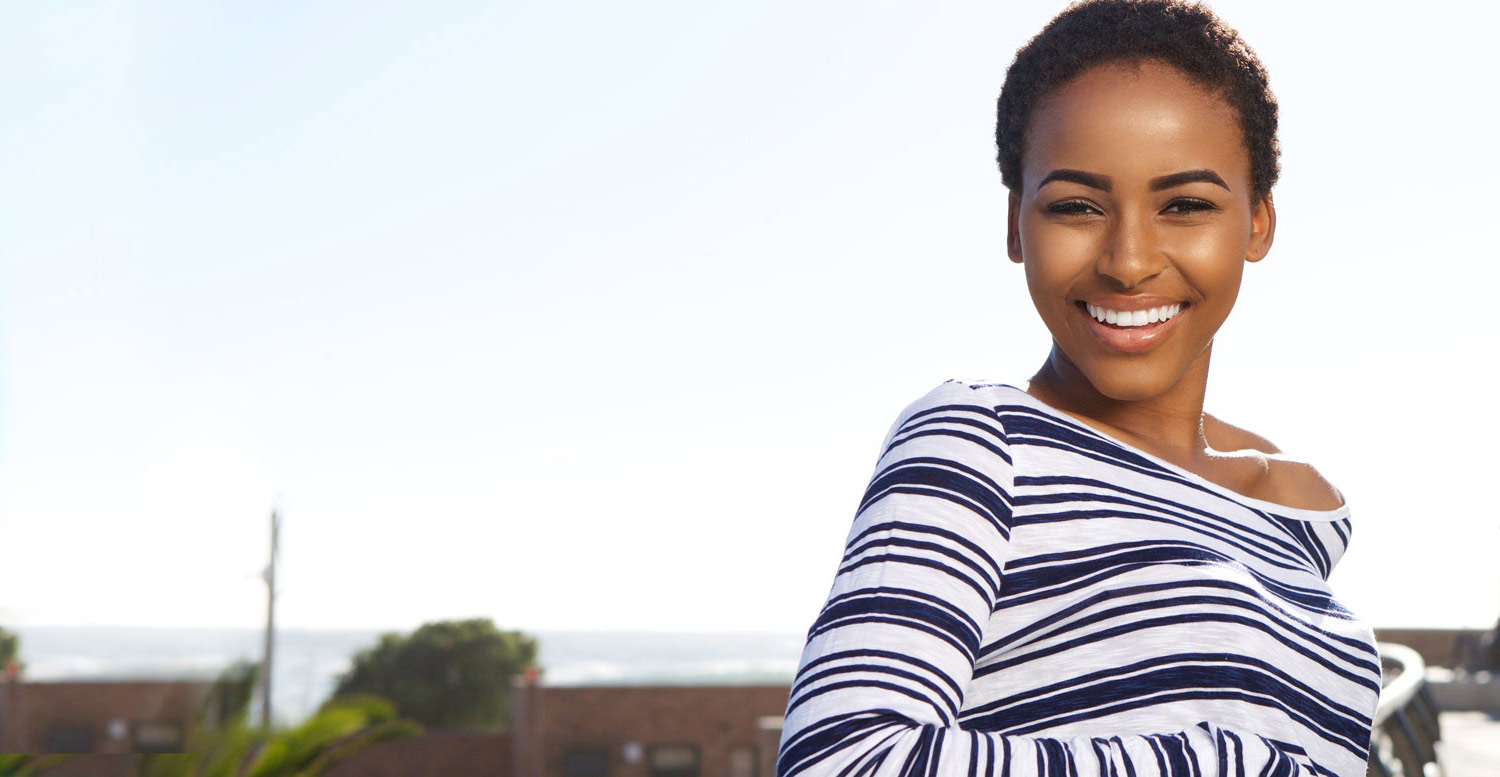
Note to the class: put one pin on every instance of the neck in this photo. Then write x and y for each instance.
(1168, 421)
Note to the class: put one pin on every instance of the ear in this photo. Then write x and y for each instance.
(1262, 229)
(1013, 228)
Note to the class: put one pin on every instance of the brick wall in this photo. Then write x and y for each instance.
(109, 716)
(720, 722)
(1437, 646)
(435, 754)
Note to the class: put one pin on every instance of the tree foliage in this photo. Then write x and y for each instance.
(10, 647)
(446, 674)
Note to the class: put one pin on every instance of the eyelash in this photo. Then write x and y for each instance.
(1194, 206)
(1071, 208)
(1184, 205)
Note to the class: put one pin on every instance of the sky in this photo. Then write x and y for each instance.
(593, 315)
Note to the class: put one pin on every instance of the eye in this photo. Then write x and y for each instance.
(1072, 208)
(1188, 205)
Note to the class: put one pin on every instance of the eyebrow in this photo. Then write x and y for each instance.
(1091, 180)
(1189, 176)
(1105, 183)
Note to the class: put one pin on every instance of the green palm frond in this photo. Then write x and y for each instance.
(26, 764)
(340, 729)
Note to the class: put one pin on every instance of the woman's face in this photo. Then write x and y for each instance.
(1135, 206)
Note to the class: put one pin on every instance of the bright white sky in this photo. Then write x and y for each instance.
(593, 315)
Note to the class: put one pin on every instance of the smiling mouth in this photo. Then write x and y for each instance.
(1130, 319)
(1131, 332)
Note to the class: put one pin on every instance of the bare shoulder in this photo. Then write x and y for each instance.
(1224, 436)
(1299, 484)
(1285, 479)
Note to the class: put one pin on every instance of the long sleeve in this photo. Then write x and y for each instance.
(882, 678)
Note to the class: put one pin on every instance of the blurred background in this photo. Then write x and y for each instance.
(572, 330)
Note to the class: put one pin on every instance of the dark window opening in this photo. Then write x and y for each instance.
(586, 762)
(70, 739)
(673, 761)
(158, 736)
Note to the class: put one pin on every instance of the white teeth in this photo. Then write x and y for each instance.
(1133, 317)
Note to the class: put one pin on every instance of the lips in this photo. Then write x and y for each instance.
(1124, 334)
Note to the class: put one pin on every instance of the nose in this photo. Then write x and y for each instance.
(1132, 253)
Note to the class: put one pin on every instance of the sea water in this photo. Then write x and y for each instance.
(308, 662)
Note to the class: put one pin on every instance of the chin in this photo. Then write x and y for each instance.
(1130, 383)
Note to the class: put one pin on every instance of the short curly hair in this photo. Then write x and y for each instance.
(1184, 35)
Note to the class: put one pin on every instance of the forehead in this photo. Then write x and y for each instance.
(1135, 121)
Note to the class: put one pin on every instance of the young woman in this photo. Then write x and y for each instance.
(1087, 574)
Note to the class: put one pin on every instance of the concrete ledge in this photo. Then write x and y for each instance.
(1480, 693)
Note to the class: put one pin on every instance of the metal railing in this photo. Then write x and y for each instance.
(1405, 736)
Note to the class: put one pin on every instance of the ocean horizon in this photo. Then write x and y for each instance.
(309, 661)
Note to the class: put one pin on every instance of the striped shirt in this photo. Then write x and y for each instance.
(1023, 595)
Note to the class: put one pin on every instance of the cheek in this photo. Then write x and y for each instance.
(1212, 262)
(1059, 246)
(1205, 246)
(1055, 260)
(1048, 282)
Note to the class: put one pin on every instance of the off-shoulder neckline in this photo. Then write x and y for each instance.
(1285, 511)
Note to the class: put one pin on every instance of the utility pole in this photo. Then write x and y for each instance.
(265, 665)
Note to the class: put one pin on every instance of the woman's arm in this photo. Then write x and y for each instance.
(882, 677)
